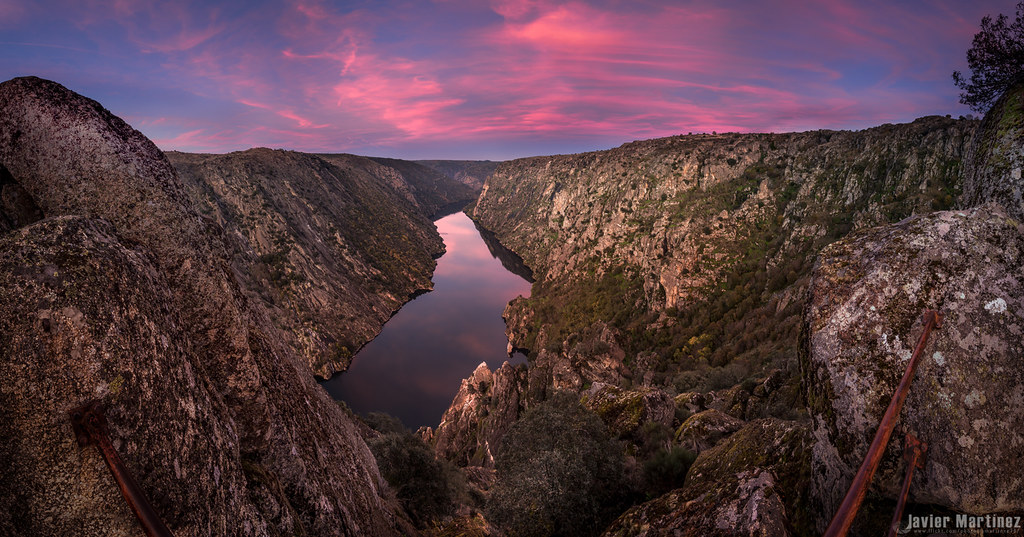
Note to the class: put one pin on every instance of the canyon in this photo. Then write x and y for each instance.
(745, 300)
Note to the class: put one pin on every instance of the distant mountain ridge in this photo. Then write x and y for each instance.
(469, 172)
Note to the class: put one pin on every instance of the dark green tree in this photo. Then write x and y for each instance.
(996, 60)
(426, 487)
(559, 472)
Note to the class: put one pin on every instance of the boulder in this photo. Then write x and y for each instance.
(124, 294)
(705, 429)
(626, 411)
(750, 484)
(863, 319)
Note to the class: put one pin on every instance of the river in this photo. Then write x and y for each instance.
(413, 368)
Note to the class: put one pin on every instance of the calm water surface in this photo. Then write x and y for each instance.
(413, 368)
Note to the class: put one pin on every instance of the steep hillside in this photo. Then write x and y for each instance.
(694, 250)
(332, 245)
(123, 293)
(470, 172)
(435, 192)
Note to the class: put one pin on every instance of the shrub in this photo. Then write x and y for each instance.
(558, 473)
(424, 486)
(666, 470)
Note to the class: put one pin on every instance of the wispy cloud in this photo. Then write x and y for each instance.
(492, 80)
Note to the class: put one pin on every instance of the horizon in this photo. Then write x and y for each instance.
(461, 80)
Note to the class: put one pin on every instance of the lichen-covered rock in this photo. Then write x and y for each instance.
(751, 484)
(72, 156)
(863, 320)
(123, 293)
(626, 411)
(993, 164)
(705, 429)
(85, 317)
(483, 410)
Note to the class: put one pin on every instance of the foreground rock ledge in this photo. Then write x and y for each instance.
(967, 400)
(123, 293)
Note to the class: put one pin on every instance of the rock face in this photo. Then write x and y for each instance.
(486, 405)
(125, 294)
(435, 192)
(750, 484)
(694, 250)
(994, 163)
(863, 319)
(299, 234)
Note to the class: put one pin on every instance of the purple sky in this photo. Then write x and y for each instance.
(492, 80)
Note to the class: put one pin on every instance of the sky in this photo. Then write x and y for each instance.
(500, 79)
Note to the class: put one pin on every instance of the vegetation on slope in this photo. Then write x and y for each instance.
(696, 249)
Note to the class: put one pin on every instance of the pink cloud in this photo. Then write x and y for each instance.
(314, 75)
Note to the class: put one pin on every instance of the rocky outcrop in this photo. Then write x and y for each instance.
(626, 411)
(992, 171)
(125, 294)
(298, 229)
(705, 429)
(594, 356)
(485, 407)
(750, 484)
(864, 316)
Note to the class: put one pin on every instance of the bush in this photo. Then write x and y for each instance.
(384, 423)
(424, 486)
(558, 473)
(666, 470)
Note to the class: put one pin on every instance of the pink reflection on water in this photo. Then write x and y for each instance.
(413, 368)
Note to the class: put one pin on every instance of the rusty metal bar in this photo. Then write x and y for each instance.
(859, 487)
(913, 452)
(90, 426)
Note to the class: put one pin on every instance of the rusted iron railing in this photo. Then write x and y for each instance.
(90, 427)
(913, 452)
(859, 488)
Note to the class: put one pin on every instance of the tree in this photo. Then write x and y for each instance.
(426, 487)
(558, 473)
(996, 60)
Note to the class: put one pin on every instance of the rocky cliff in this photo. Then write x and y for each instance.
(123, 292)
(694, 250)
(684, 266)
(332, 245)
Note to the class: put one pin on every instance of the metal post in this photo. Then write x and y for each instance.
(843, 518)
(90, 426)
(913, 452)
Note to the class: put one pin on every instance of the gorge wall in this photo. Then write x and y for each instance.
(331, 245)
(684, 269)
(115, 287)
(682, 263)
